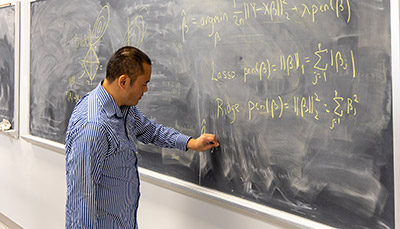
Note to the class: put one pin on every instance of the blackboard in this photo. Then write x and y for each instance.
(7, 62)
(299, 94)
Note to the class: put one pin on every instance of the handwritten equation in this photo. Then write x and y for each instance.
(322, 61)
(338, 108)
(272, 11)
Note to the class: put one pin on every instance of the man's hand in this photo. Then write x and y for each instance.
(203, 143)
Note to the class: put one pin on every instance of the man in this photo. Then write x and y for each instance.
(101, 145)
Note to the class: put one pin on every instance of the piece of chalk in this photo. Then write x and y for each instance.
(213, 143)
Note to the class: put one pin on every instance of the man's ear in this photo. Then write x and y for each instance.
(123, 81)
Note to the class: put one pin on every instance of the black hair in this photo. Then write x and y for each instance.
(127, 60)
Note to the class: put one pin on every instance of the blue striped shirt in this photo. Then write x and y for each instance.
(101, 161)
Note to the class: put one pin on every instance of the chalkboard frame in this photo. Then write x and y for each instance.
(236, 204)
(253, 209)
(41, 142)
(395, 33)
(14, 132)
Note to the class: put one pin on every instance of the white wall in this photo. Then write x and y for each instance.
(32, 178)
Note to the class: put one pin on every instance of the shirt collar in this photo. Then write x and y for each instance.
(107, 102)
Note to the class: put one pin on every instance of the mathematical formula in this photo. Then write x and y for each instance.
(322, 63)
(324, 60)
(273, 11)
(338, 108)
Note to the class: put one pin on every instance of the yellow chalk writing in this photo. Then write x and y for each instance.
(223, 74)
(227, 109)
(336, 107)
(280, 11)
(324, 60)
(136, 29)
(91, 63)
(260, 68)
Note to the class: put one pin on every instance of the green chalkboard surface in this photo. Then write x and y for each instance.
(299, 94)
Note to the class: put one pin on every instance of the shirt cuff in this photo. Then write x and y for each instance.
(181, 142)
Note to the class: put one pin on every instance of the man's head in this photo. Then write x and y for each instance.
(128, 72)
(126, 61)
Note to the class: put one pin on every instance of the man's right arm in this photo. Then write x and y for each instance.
(84, 162)
(203, 143)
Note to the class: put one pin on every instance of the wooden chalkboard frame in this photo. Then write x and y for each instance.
(14, 132)
(253, 209)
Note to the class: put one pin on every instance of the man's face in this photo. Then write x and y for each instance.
(139, 87)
